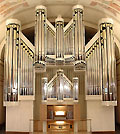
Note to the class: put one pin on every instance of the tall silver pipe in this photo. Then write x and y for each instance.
(108, 59)
(40, 34)
(75, 88)
(59, 24)
(12, 59)
(44, 88)
(78, 33)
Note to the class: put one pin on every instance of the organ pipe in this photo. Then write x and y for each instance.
(108, 59)
(93, 70)
(75, 88)
(27, 70)
(44, 88)
(68, 41)
(40, 34)
(60, 84)
(79, 41)
(59, 23)
(50, 41)
(11, 62)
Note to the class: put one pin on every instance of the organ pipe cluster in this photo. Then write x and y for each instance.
(18, 64)
(11, 60)
(68, 41)
(26, 70)
(75, 88)
(59, 24)
(79, 36)
(93, 70)
(60, 88)
(55, 41)
(40, 34)
(51, 41)
(108, 60)
(44, 88)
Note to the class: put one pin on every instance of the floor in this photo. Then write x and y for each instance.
(2, 131)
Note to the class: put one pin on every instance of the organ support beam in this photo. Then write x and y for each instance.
(40, 36)
(108, 59)
(79, 37)
(59, 24)
(11, 60)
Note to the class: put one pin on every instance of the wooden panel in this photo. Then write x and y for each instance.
(38, 126)
(43, 112)
(54, 126)
(77, 112)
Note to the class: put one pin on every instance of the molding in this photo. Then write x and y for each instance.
(12, 132)
(104, 132)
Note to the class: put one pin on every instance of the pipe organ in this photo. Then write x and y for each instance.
(62, 46)
(59, 82)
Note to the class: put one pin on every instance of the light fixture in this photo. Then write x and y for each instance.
(59, 112)
(60, 122)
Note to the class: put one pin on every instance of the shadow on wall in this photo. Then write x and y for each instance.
(2, 109)
(117, 108)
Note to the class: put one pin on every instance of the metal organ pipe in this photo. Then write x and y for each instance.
(68, 41)
(75, 88)
(108, 59)
(44, 88)
(79, 41)
(40, 34)
(27, 70)
(11, 63)
(93, 70)
(59, 22)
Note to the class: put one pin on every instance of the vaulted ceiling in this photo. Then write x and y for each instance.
(24, 10)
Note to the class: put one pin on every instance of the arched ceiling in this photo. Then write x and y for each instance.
(24, 10)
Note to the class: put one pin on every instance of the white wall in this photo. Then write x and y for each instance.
(17, 117)
(103, 118)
